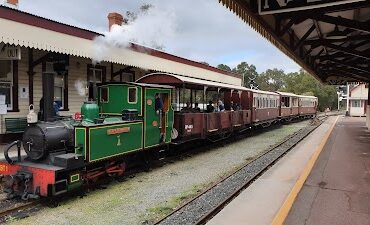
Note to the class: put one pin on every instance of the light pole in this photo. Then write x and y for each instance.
(338, 93)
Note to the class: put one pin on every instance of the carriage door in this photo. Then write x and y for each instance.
(164, 115)
(158, 125)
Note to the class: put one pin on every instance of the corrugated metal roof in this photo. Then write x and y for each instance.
(207, 83)
(307, 96)
(286, 94)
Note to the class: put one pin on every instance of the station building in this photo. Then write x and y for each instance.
(31, 45)
(358, 100)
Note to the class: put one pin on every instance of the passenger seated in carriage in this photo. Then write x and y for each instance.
(234, 106)
(220, 106)
(196, 107)
(187, 108)
(210, 107)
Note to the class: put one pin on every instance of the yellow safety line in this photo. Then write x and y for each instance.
(289, 201)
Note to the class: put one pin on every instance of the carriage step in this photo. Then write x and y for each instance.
(161, 154)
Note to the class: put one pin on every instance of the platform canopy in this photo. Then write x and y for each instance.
(329, 38)
(22, 29)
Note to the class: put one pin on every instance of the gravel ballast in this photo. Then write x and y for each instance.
(148, 196)
(199, 208)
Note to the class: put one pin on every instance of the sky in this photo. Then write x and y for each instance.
(201, 30)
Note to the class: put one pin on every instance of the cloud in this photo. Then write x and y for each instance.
(205, 30)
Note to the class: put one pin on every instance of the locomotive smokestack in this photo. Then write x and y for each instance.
(48, 96)
(114, 19)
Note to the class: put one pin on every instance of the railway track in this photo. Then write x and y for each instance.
(15, 208)
(204, 206)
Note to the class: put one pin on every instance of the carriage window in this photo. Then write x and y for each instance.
(259, 102)
(132, 95)
(104, 97)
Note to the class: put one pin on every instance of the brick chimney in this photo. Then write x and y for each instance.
(115, 18)
(12, 3)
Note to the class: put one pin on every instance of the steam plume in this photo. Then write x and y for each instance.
(152, 27)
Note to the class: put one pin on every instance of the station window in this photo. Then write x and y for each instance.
(356, 103)
(132, 95)
(6, 81)
(104, 94)
(59, 90)
(97, 71)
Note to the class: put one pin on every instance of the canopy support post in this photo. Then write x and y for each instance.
(368, 107)
(204, 97)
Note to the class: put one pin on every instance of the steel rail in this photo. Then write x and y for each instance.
(13, 209)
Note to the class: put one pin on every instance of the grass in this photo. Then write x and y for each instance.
(11, 219)
(167, 207)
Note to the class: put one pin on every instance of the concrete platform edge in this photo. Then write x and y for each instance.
(289, 201)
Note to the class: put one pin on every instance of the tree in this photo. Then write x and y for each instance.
(224, 67)
(248, 72)
(272, 80)
(132, 16)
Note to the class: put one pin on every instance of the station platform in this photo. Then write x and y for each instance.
(325, 179)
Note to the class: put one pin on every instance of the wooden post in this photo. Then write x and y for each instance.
(30, 76)
(368, 107)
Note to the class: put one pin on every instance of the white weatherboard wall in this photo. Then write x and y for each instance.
(77, 71)
(359, 95)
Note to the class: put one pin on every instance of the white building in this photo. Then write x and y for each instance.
(358, 100)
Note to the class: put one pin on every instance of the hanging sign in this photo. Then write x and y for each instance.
(280, 6)
(2, 99)
(3, 109)
(9, 52)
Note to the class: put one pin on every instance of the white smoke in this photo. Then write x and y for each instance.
(80, 86)
(152, 28)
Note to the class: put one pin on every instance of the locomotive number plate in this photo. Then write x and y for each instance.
(3, 168)
(118, 130)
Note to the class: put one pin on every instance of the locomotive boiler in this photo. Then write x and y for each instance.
(42, 139)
